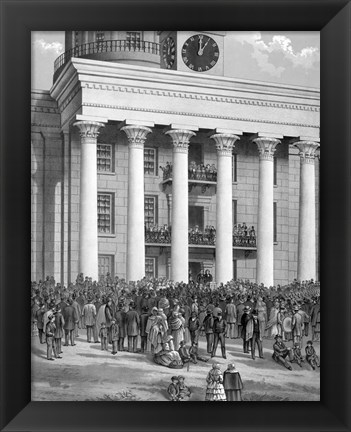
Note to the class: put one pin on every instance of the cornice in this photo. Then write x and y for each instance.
(44, 109)
(197, 96)
(190, 114)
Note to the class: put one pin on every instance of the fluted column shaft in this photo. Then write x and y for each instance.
(88, 222)
(135, 217)
(306, 264)
(180, 197)
(265, 252)
(224, 207)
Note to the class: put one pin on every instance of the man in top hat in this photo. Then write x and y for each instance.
(230, 317)
(281, 352)
(194, 327)
(208, 329)
(244, 320)
(89, 315)
(50, 333)
(219, 331)
(133, 324)
(253, 334)
(297, 324)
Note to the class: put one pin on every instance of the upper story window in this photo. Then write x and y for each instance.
(134, 40)
(105, 158)
(76, 38)
(150, 161)
(150, 210)
(105, 213)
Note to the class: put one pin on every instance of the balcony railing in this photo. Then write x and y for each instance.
(196, 172)
(242, 236)
(104, 47)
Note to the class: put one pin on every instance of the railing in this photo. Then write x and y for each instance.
(195, 172)
(242, 236)
(106, 46)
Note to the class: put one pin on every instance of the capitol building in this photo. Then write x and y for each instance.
(147, 160)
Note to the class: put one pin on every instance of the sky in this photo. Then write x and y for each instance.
(279, 57)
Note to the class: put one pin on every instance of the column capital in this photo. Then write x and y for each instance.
(89, 130)
(136, 135)
(307, 150)
(180, 139)
(266, 147)
(224, 143)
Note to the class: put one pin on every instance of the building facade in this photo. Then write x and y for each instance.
(147, 160)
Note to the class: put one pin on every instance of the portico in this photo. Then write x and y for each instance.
(170, 111)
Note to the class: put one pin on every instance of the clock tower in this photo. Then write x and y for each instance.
(199, 52)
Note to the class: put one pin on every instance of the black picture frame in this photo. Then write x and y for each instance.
(18, 19)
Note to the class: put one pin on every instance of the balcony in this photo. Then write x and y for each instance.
(109, 46)
(200, 175)
(243, 237)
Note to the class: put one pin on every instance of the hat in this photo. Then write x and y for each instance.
(254, 312)
(296, 307)
(219, 313)
(247, 308)
(174, 378)
(309, 342)
(277, 336)
(181, 377)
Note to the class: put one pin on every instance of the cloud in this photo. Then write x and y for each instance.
(46, 47)
(265, 53)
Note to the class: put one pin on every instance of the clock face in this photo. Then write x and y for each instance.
(200, 53)
(168, 52)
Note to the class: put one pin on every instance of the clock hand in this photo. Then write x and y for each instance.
(208, 40)
(201, 50)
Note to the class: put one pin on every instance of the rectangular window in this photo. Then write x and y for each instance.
(235, 269)
(196, 217)
(234, 167)
(134, 40)
(275, 163)
(195, 154)
(151, 267)
(105, 213)
(235, 212)
(105, 158)
(151, 210)
(150, 161)
(76, 38)
(106, 265)
(275, 222)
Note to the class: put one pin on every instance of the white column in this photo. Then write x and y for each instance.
(265, 255)
(88, 225)
(180, 217)
(224, 207)
(306, 264)
(135, 220)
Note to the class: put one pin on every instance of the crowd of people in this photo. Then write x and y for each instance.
(196, 171)
(167, 319)
(242, 235)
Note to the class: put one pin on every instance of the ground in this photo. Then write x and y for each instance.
(87, 373)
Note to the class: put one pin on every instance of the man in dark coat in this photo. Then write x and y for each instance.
(133, 324)
(244, 320)
(108, 318)
(219, 331)
(281, 352)
(40, 322)
(208, 329)
(71, 320)
(59, 323)
(194, 327)
(253, 334)
(143, 322)
(121, 321)
(232, 384)
(50, 332)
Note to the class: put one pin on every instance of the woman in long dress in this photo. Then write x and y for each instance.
(232, 384)
(168, 358)
(272, 325)
(215, 390)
